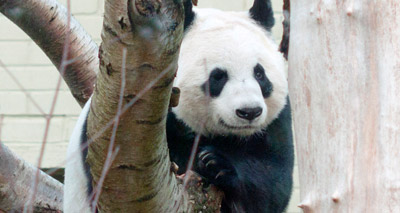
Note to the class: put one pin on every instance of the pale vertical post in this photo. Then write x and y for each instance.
(344, 79)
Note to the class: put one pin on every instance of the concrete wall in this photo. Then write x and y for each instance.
(22, 124)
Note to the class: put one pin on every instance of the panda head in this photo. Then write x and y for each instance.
(231, 74)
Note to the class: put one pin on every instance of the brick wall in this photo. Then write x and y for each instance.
(23, 125)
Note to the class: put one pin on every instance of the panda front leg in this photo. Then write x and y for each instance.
(217, 169)
(250, 184)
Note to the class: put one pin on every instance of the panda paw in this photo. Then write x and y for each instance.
(217, 169)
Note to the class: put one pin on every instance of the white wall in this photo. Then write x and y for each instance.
(22, 127)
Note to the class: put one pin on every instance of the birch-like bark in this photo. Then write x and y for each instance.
(344, 78)
(16, 179)
(140, 179)
(46, 23)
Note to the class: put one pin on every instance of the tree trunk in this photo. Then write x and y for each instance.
(344, 79)
(138, 60)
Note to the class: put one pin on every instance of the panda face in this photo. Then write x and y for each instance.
(231, 75)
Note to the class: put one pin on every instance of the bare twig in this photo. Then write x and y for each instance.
(1, 125)
(27, 94)
(189, 175)
(62, 70)
(111, 153)
(143, 161)
(107, 165)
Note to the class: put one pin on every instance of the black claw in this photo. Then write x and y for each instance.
(216, 169)
(212, 163)
(220, 174)
(205, 156)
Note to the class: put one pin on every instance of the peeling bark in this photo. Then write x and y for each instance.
(148, 33)
(16, 178)
(46, 22)
(344, 77)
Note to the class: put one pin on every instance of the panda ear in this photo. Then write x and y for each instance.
(189, 14)
(263, 13)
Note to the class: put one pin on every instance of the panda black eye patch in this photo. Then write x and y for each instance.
(263, 81)
(216, 82)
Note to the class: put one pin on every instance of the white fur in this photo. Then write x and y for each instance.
(75, 184)
(234, 42)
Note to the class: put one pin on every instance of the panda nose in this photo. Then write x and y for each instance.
(249, 113)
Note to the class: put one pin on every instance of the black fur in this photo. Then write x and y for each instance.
(215, 83)
(263, 81)
(84, 147)
(255, 172)
(86, 166)
(263, 13)
(189, 14)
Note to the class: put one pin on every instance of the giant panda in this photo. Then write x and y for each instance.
(234, 96)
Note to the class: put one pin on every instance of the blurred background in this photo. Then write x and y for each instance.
(22, 125)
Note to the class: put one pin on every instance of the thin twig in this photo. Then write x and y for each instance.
(1, 125)
(127, 106)
(107, 163)
(27, 94)
(111, 122)
(197, 139)
(53, 105)
(196, 143)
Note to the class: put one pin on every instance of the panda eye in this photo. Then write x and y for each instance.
(218, 75)
(259, 75)
(215, 83)
(263, 81)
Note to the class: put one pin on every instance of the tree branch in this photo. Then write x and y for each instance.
(148, 33)
(46, 22)
(16, 178)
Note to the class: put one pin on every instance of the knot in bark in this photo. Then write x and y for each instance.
(148, 7)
